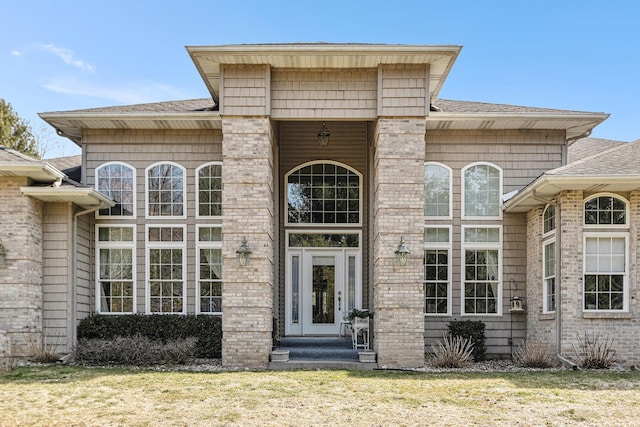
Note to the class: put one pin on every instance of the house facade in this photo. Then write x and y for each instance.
(280, 203)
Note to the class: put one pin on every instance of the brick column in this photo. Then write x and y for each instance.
(398, 211)
(248, 211)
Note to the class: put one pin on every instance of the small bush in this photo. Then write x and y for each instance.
(205, 328)
(593, 352)
(534, 355)
(135, 350)
(40, 351)
(474, 331)
(452, 352)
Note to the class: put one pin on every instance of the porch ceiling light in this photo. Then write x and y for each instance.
(244, 253)
(3, 253)
(402, 253)
(323, 135)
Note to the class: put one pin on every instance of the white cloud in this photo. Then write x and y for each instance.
(15, 52)
(131, 93)
(67, 56)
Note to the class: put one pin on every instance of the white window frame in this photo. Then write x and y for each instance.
(450, 209)
(197, 198)
(114, 245)
(315, 224)
(481, 246)
(463, 190)
(205, 245)
(165, 245)
(133, 190)
(625, 288)
(546, 277)
(448, 247)
(546, 234)
(184, 192)
(616, 226)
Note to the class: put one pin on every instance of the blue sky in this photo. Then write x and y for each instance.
(68, 54)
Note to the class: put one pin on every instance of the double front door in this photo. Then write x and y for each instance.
(322, 285)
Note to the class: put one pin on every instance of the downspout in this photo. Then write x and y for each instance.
(558, 274)
(74, 263)
(568, 142)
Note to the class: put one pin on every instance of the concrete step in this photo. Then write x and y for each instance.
(321, 364)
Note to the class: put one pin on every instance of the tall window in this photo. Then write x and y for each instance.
(549, 259)
(209, 272)
(209, 190)
(166, 269)
(165, 191)
(115, 254)
(323, 193)
(437, 190)
(118, 182)
(437, 270)
(482, 287)
(605, 272)
(482, 189)
(605, 210)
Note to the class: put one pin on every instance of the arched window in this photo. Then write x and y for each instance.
(165, 190)
(605, 210)
(118, 182)
(482, 188)
(323, 193)
(437, 190)
(549, 219)
(209, 190)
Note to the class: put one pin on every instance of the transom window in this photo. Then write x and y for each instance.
(323, 193)
(166, 266)
(605, 272)
(437, 269)
(165, 190)
(437, 190)
(117, 181)
(482, 286)
(549, 219)
(209, 270)
(482, 189)
(209, 190)
(605, 210)
(115, 249)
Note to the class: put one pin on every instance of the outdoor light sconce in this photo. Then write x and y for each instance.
(244, 253)
(3, 253)
(402, 253)
(323, 135)
(516, 305)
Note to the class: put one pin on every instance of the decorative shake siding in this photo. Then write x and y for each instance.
(398, 209)
(245, 90)
(323, 94)
(247, 298)
(621, 328)
(140, 149)
(403, 90)
(523, 156)
(21, 275)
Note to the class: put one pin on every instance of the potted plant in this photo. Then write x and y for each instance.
(356, 312)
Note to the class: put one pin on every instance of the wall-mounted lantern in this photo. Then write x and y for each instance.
(402, 253)
(3, 254)
(323, 135)
(244, 253)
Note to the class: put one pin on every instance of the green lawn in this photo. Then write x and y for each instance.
(75, 396)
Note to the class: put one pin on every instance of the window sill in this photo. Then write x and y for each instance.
(607, 315)
(547, 316)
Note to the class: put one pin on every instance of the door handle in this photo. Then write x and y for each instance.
(339, 300)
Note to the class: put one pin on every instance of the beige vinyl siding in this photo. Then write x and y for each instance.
(403, 90)
(57, 277)
(140, 149)
(245, 90)
(84, 281)
(348, 145)
(523, 156)
(324, 94)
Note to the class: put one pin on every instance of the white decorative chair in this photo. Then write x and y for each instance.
(360, 326)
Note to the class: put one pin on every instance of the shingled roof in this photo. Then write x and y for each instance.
(182, 106)
(619, 160)
(451, 106)
(585, 147)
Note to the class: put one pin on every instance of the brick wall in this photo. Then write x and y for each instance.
(21, 275)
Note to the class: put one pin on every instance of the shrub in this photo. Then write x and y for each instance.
(452, 352)
(135, 350)
(206, 329)
(534, 355)
(40, 351)
(592, 352)
(474, 331)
